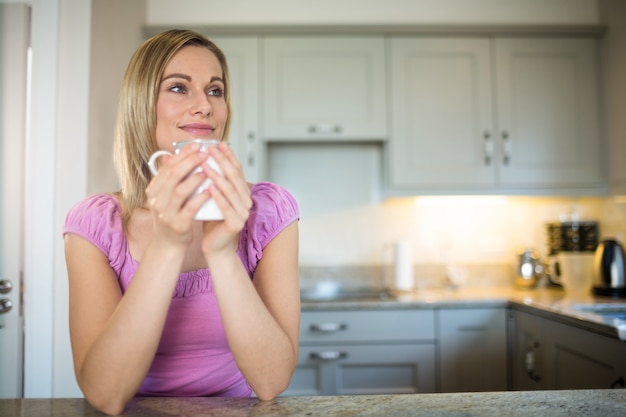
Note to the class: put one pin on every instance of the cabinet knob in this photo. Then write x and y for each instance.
(5, 305)
(5, 286)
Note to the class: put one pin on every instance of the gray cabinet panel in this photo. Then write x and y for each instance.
(579, 359)
(472, 347)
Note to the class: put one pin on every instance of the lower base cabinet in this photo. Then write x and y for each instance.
(548, 354)
(472, 349)
(365, 352)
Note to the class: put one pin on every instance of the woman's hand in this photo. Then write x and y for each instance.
(232, 195)
(168, 194)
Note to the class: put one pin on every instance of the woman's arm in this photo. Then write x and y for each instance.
(114, 338)
(262, 317)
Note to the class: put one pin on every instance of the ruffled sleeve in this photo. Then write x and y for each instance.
(273, 209)
(98, 219)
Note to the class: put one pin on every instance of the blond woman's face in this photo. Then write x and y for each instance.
(191, 101)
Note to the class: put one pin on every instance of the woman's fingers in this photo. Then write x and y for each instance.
(173, 190)
(232, 184)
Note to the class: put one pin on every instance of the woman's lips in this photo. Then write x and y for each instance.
(198, 129)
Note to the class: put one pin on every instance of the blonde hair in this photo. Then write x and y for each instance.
(135, 138)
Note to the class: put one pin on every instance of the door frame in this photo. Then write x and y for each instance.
(55, 161)
(13, 77)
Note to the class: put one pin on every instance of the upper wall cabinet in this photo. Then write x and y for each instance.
(324, 88)
(494, 115)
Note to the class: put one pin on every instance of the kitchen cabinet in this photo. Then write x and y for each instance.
(324, 88)
(548, 354)
(242, 54)
(472, 349)
(526, 348)
(508, 115)
(365, 352)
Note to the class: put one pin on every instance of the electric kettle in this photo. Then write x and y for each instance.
(609, 279)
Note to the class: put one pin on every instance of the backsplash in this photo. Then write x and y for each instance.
(470, 239)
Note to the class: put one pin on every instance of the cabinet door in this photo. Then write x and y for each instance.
(242, 56)
(579, 359)
(472, 345)
(441, 114)
(324, 88)
(526, 352)
(364, 369)
(547, 106)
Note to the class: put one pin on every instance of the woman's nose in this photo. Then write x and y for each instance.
(201, 104)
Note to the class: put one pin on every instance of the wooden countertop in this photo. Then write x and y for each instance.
(605, 403)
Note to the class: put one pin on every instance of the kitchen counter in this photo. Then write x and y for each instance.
(549, 302)
(605, 403)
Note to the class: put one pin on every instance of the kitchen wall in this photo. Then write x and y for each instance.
(116, 31)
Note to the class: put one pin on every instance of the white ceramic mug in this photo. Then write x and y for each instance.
(209, 210)
(576, 272)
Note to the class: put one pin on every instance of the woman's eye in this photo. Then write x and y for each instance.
(215, 92)
(178, 88)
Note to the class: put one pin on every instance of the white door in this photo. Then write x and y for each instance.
(13, 75)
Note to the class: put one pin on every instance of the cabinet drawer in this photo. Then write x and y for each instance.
(371, 326)
(364, 369)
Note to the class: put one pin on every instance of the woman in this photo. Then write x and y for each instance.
(161, 304)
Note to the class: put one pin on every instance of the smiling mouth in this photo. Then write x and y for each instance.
(198, 130)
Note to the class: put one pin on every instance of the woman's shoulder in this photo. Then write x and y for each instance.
(96, 204)
(267, 196)
(96, 214)
(273, 208)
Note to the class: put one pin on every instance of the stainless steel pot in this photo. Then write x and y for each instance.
(609, 278)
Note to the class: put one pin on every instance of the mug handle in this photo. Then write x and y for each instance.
(153, 158)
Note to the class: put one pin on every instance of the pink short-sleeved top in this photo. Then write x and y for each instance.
(193, 357)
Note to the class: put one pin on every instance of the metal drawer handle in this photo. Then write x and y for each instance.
(529, 362)
(488, 147)
(329, 355)
(328, 327)
(325, 129)
(506, 146)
